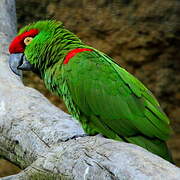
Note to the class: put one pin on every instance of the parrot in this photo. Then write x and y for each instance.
(99, 93)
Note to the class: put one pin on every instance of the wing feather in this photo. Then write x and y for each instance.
(101, 88)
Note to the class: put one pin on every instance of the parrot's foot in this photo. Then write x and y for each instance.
(100, 135)
(76, 136)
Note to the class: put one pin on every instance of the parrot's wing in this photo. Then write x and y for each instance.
(101, 89)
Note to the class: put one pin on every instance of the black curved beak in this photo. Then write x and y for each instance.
(18, 62)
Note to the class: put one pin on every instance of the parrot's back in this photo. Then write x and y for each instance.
(106, 99)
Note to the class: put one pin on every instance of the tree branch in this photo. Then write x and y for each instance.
(40, 138)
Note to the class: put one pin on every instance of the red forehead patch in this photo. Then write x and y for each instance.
(17, 45)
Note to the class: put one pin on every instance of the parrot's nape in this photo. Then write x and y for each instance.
(100, 94)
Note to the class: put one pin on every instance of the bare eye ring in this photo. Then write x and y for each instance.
(28, 40)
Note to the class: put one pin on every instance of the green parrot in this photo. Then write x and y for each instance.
(99, 93)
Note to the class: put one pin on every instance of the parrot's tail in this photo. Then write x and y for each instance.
(155, 146)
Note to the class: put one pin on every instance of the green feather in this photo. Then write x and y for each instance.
(117, 100)
(103, 96)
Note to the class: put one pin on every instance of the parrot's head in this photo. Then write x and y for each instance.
(37, 46)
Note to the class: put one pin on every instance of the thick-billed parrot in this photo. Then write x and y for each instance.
(100, 94)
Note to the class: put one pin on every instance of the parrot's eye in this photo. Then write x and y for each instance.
(28, 40)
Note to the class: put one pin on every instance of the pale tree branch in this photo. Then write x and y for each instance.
(40, 138)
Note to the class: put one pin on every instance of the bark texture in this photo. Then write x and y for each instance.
(39, 137)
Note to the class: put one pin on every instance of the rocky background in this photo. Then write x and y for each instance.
(142, 36)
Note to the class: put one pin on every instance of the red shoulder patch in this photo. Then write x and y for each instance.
(73, 52)
(17, 45)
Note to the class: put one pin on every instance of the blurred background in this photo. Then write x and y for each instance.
(142, 36)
